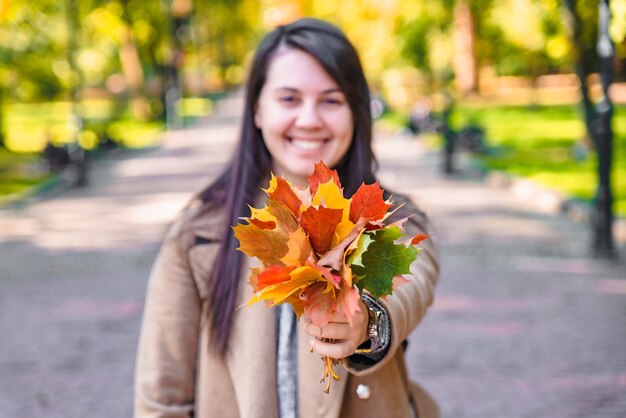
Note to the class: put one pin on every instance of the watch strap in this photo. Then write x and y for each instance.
(378, 329)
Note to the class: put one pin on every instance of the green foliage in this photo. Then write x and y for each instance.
(526, 37)
(355, 258)
(135, 134)
(393, 120)
(119, 48)
(17, 173)
(43, 54)
(28, 39)
(29, 126)
(228, 30)
(382, 261)
(414, 36)
(545, 144)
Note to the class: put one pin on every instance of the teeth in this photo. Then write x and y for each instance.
(307, 144)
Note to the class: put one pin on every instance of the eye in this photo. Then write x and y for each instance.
(333, 101)
(288, 99)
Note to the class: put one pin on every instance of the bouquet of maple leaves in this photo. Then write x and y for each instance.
(320, 250)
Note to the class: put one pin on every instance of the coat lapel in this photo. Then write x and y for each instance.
(252, 357)
(252, 363)
(312, 401)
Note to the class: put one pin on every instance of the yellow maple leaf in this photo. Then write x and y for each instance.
(298, 248)
(263, 214)
(330, 196)
(275, 212)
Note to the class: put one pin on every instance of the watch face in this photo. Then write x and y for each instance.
(373, 328)
(383, 331)
(377, 327)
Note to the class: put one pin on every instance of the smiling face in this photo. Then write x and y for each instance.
(303, 115)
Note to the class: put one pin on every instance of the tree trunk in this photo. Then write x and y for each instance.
(603, 138)
(133, 73)
(2, 145)
(465, 66)
(597, 121)
(72, 36)
(132, 70)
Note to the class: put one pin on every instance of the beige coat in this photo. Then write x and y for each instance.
(178, 374)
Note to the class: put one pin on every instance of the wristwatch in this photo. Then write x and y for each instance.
(377, 327)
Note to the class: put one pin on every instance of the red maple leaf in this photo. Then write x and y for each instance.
(419, 238)
(274, 274)
(285, 195)
(320, 225)
(348, 302)
(319, 304)
(263, 224)
(334, 257)
(321, 175)
(368, 203)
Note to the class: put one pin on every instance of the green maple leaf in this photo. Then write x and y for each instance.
(354, 259)
(382, 261)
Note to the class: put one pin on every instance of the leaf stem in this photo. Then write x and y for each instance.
(328, 375)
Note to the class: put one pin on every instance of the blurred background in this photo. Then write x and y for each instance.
(511, 75)
(504, 119)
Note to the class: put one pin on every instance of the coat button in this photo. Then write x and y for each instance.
(363, 392)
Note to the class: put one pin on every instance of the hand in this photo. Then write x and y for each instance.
(347, 338)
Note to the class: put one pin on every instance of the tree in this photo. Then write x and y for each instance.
(597, 116)
(465, 64)
(131, 65)
(227, 30)
(1, 119)
(454, 25)
(4, 5)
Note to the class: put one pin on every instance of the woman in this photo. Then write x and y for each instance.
(306, 100)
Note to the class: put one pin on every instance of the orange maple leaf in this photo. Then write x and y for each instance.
(281, 191)
(368, 203)
(300, 279)
(320, 224)
(274, 212)
(298, 304)
(299, 248)
(321, 175)
(268, 245)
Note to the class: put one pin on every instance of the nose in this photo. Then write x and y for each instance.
(308, 116)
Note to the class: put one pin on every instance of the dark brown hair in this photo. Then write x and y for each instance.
(239, 185)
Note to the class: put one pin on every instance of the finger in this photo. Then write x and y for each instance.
(336, 350)
(333, 330)
(333, 319)
(338, 316)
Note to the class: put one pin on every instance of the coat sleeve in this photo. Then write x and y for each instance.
(409, 302)
(165, 371)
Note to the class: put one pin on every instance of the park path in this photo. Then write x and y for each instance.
(525, 323)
